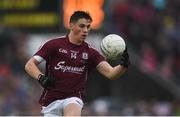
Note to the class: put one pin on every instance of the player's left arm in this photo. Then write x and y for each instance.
(114, 73)
(110, 72)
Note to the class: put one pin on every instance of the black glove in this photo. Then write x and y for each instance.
(124, 59)
(46, 81)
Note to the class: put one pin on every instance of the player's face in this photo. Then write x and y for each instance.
(81, 28)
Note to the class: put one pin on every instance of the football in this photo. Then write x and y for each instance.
(112, 46)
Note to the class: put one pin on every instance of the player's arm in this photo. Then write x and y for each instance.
(110, 72)
(114, 72)
(32, 69)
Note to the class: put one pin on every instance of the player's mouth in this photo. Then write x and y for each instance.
(84, 36)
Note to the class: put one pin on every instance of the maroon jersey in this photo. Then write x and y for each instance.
(69, 64)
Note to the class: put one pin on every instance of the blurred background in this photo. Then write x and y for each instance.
(151, 29)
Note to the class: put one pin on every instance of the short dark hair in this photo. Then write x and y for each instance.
(78, 15)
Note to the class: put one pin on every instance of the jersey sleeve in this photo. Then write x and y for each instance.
(95, 58)
(45, 50)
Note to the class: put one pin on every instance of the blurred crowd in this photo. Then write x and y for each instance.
(109, 106)
(19, 93)
(151, 26)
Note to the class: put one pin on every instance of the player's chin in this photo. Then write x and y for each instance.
(83, 37)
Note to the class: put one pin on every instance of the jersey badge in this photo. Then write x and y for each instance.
(85, 55)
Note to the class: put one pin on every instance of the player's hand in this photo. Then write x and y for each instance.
(46, 81)
(124, 59)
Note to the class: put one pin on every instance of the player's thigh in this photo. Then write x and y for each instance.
(73, 106)
(72, 109)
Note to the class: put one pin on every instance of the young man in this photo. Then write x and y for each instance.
(68, 62)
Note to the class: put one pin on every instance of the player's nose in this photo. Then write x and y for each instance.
(85, 29)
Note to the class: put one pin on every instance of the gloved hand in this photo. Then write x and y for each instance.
(124, 59)
(46, 81)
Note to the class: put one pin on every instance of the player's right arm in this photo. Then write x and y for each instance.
(32, 69)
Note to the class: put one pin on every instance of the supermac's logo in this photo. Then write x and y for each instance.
(65, 68)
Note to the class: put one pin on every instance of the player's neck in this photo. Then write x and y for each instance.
(73, 39)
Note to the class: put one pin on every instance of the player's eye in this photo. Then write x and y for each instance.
(81, 25)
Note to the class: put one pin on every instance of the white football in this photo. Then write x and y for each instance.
(112, 46)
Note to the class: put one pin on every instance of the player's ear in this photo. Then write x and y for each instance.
(71, 26)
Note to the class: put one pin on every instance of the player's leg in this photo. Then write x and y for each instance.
(73, 107)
